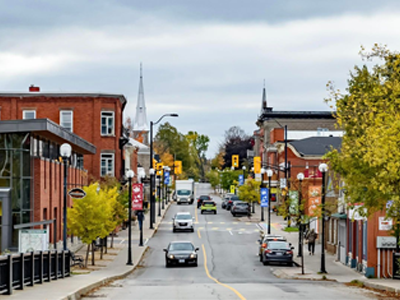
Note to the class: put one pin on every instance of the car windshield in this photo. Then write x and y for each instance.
(241, 204)
(278, 245)
(183, 192)
(204, 197)
(235, 198)
(181, 246)
(183, 217)
(208, 203)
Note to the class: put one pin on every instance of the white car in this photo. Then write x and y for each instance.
(183, 221)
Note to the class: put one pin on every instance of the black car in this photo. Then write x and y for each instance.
(240, 208)
(225, 200)
(278, 252)
(201, 199)
(265, 240)
(180, 253)
(231, 201)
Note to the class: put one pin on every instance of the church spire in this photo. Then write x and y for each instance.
(140, 126)
(264, 99)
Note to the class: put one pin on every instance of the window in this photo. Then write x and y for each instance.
(107, 123)
(29, 114)
(66, 119)
(107, 164)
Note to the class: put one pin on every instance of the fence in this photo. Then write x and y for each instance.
(28, 269)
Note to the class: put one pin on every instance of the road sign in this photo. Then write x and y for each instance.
(241, 179)
(264, 197)
(166, 177)
(282, 183)
(77, 193)
(137, 196)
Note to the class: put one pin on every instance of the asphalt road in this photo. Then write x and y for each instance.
(228, 266)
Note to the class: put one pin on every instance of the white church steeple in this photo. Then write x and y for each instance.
(140, 125)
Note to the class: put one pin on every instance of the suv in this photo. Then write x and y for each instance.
(182, 221)
(240, 208)
(208, 206)
(201, 199)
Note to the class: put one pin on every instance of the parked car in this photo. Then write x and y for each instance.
(231, 201)
(265, 240)
(225, 199)
(182, 221)
(201, 199)
(208, 206)
(180, 253)
(240, 208)
(279, 252)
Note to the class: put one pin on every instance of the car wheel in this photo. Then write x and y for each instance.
(215, 212)
(192, 230)
(179, 203)
(173, 230)
(233, 214)
(265, 263)
(167, 265)
(289, 264)
(260, 256)
(195, 264)
(202, 212)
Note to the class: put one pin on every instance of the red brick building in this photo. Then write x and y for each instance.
(96, 117)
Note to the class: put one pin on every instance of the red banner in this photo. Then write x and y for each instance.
(314, 199)
(137, 196)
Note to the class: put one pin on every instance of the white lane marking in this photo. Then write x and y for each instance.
(122, 241)
(221, 222)
(145, 242)
(230, 232)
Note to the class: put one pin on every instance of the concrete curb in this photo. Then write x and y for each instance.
(380, 287)
(159, 222)
(84, 290)
(282, 274)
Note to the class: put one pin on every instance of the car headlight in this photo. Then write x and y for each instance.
(171, 256)
(192, 255)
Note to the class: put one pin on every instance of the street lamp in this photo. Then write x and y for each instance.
(269, 174)
(152, 208)
(65, 152)
(300, 177)
(151, 172)
(323, 168)
(163, 187)
(262, 185)
(159, 195)
(168, 169)
(129, 175)
(244, 172)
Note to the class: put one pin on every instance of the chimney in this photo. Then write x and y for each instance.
(33, 88)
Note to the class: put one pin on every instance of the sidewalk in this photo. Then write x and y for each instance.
(113, 266)
(312, 263)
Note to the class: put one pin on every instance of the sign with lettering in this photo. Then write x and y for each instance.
(137, 196)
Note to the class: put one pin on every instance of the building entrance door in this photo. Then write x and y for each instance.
(342, 241)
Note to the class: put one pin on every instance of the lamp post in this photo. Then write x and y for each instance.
(159, 195)
(65, 152)
(168, 169)
(300, 177)
(244, 173)
(262, 185)
(151, 172)
(129, 175)
(140, 215)
(152, 208)
(269, 174)
(323, 168)
(163, 188)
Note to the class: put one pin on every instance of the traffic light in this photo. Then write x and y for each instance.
(235, 161)
(178, 167)
(257, 164)
(160, 168)
(155, 162)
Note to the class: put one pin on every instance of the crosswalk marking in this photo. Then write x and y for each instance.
(209, 222)
(215, 228)
(275, 225)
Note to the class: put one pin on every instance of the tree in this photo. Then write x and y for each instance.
(250, 191)
(198, 147)
(89, 217)
(218, 161)
(236, 142)
(213, 178)
(229, 178)
(369, 113)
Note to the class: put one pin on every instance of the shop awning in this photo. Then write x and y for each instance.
(339, 216)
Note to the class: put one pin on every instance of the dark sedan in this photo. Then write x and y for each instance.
(231, 201)
(180, 253)
(278, 252)
(240, 208)
(201, 199)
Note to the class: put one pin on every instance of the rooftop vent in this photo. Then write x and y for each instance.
(33, 88)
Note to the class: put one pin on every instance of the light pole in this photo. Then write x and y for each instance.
(65, 151)
(129, 175)
(300, 177)
(269, 174)
(140, 215)
(163, 188)
(151, 172)
(323, 168)
(168, 169)
(262, 185)
(152, 208)
(159, 195)
(244, 173)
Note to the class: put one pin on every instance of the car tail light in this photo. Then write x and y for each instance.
(289, 252)
(264, 245)
(229, 201)
(268, 251)
(215, 204)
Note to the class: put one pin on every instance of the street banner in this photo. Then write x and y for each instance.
(293, 202)
(166, 177)
(232, 188)
(385, 224)
(241, 179)
(314, 196)
(137, 196)
(264, 197)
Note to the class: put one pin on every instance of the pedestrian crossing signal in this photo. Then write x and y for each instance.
(235, 161)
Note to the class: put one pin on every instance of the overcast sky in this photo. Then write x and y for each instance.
(205, 60)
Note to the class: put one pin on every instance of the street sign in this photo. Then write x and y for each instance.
(241, 179)
(137, 196)
(264, 197)
(282, 183)
(166, 177)
(77, 193)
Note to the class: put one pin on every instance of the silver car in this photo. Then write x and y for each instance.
(183, 221)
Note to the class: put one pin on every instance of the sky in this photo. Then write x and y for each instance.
(205, 60)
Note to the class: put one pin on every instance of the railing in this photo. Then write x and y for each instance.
(28, 269)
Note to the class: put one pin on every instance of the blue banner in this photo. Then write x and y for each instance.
(166, 177)
(264, 197)
(241, 179)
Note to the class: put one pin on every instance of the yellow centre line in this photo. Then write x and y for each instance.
(195, 215)
(212, 278)
(198, 233)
